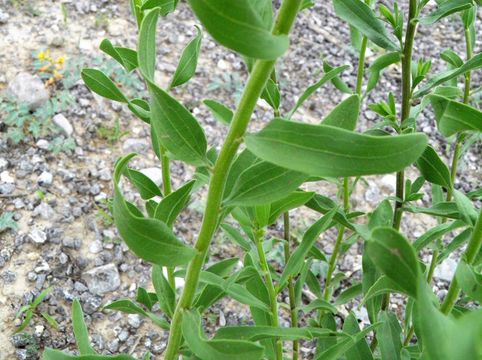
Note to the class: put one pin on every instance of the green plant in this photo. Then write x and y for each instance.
(251, 188)
(28, 312)
(112, 133)
(7, 222)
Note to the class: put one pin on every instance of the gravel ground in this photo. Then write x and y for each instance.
(62, 240)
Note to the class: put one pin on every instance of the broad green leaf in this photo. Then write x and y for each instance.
(469, 280)
(349, 294)
(264, 183)
(330, 75)
(255, 333)
(242, 162)
(129, 307)
(147, 188)
(239, 27)
(377, 67)
(383, 285)
(466, 208)
(452, 58)
(145, 298)
(433, 169)
(395, 257)
(176, 129)
(187, 64)
(389, 336)
(370, 276)
(80, 329)
(361, 351)
(322, 150)
(165, 293)
(345, 114)
(361, 16)
(453, 117)
(221, 112)
(124, 56)
(296, 260)
(215, 349)
(148, 238)
(52, 354)
(292, 201)
(327, 321)
(445, 9)
(382, 216)
(472, 64)
(146, 49)
(102, 85)
(319, 304)
(171, 206)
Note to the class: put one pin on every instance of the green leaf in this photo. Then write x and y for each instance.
(388, 335)
(382, 216)
(436, 233)
(171, 206)
(216, 349)
(361, 16)
(272, 95)
(469, 280)
(102, 85)
(453, 117)
(296, 260)
(165, 293)
(147, 188)
(349, 294)
(140, 108)
(255, 333)
(148, 238)
(50, 320)
(330, 75)
(322, 150)
(466, 208)
(345, 114)
(128, 307)
(383, 285)
(221, 112)
(377, 67)
(445, 9)
(292, 201)
(145, 298)
(124, 56)
(361, 351)
(236, 236)
(239, 27)
(323, 204)
(176, 129)
(264, 183)
(187, 64)
(395, 257)
(52, 354)
(146, 50)
(433, 169)
(80, 329)
(319, 304)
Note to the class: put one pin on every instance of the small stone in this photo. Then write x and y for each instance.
(6, 177)
(71, 243)
(3, 17)
(63, 258)
(38, 236)
(7, 189)
(29, 90)
(153, 173)
(61, 121)
(3, 164)
(95, 247)
(105, 175)
(45, 179)
(445, 271)
(135, 145)
(223, 65)
(42, 144)
(44, 210)
(102, 279)
(43, 267)
(123, 335)
(57, 41)
(92, 304)
(372, 194)
(39, 329)
(389, 182)
(134, 320)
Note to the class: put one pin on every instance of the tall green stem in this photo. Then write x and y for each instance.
(254, 87)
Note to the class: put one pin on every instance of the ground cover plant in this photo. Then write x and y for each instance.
(255, 179)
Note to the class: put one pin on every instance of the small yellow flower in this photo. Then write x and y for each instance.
(61, 60)
(41, 56)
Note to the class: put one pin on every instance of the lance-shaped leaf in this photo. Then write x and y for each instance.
(165, 293)
(264, 183)
(453, 117)
(255, 333)
(146, 49)
(433, 168)
(377, 67)
(102, 85)
(292, 201)
(171, 206)
(124, 56)
(345, 114)
(395, 257)
(326, 151)
(319, 304)
(436, 233)
(52, 354)
(80, 329)
(383, 285)
(238, 26)
(296, 260)
(361, 351)
(442, 209)
(147, 188)
(466, 208)
(470, 281)
(361, 16)
(148, 238)
(216, 349)
(220, 111)
(330, 75)
(271, 94)
(445, 9)
(129, 307)
(188, 62)
(388, 335)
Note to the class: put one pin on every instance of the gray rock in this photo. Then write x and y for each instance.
(3, 164)
(102, 279)
(37, 236)
(45, 179)
(95, 247)
(29, 90)
(44, 210)
(62, 122)
(445, 271)
(91, 304)
(71, 243)
(135, 145)
(43, 144)
(7, 188)
(134, 320)
(3, 17)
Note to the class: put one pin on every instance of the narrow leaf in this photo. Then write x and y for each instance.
(80, 329)
(102, 85)
(445, 9)
(171, 206)
(221, 112)
(187, 64)
(433, 169)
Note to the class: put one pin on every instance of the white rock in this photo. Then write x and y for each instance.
(102, 279)
(446, 270)
(45, 179)
(6, 177)
(62, 122)
(153, 173)
(389, 182)
(3, 17)
(29, 90)
(38, 236)
(43, 144)
(95, 247)
(3, 164)
(373, 195)
(223, 65)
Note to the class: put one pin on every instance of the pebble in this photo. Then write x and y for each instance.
(45, 179)
(95, 247)
(445, 271)
(3, 17)
(29, 90)
(102, 279)
(6, 177)
(135, 145)
(61, 121)
(134, 320)
(42, 144)
(71, 243)
(38, 236)
(3, 164)
(7, 188)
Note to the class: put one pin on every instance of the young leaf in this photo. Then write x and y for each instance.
(147, 188)
(469, 280)
(165, 293)
(436, 233)
(326, 151)
(433, 169)
(382, 286)
(453, 117)
(377, 67)
(272, 95)
(238, 26)
(150, 239)
(382, 216)
(124, 56)
(349, 294)
(292, 201)
(345, 114)
(80, 329)
(236, 236)
(361, 16)
(188, 62)
(129, 307)
(466, 208)
(395, 257)
(296, 260)
(446, 8)
(388, 335)
(256, 333)
(221, 112)
(171, 206)
(101, 84)
(216, 349)
(361, 351)
(146, 50)
(318, 304)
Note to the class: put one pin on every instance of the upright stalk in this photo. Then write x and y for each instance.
(254, 87)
